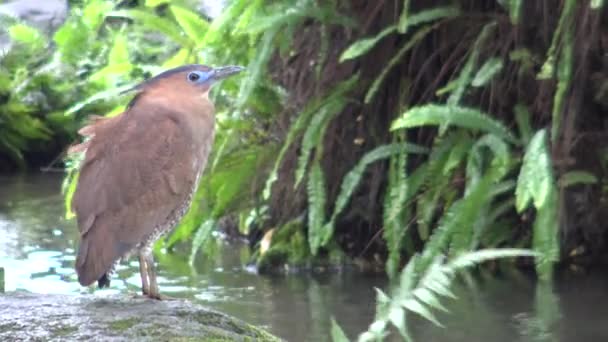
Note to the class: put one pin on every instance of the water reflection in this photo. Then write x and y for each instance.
(37, 249)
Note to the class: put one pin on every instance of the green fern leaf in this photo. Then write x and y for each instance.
(577, 177)
(318, 234)
(191, 23)
(545, 240)
(362, 46)
(536, 175)
(396, 59)
(314, 134)
(487, 71)
(352, 178)
(462, 82)
(201, 239)
(522, 116)
(150, 21)
(435, 115)
(395, 212)
(337, 334)
(339, 92)
(425, 16)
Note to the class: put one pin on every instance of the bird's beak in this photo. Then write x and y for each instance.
(227, 71)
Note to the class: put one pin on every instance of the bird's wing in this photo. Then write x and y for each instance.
(136, 173)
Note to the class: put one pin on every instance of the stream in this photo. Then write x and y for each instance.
(37, 250)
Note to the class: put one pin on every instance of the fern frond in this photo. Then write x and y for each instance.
(421, 289)
(314, 134)
(318, 234)
(464, 117)
(337, 334)
(487, 71)
(522, 117)
(463, 80)
(426, 16)
(362, 46)
(536, 175)
(352, 178)
(202, 239)
(545, 240)
(397, 58)
(395, 212)
(564, 67)
(577, 177)
(257, 67)
(339, 92)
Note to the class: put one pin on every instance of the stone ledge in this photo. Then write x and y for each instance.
(36, 317)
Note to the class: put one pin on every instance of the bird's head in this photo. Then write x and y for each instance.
(186, 81)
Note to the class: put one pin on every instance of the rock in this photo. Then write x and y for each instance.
(45, 15)
(37, 317)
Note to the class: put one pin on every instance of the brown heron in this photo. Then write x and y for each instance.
(140, 170)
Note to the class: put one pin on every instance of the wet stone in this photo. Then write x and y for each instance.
(37, 317)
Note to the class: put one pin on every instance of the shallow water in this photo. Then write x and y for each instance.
(37, 247)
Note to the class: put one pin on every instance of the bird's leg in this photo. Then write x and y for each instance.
(143, 272)
(154, 291)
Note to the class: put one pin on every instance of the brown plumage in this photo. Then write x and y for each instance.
(140, 169)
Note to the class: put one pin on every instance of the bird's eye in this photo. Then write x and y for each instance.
(193, 77)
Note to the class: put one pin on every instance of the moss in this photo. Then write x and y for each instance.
(289, 246)
(123, 324)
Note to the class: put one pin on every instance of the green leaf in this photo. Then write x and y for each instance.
(155, 3)
(94, 12)
(120, 50)
(536, 176)
(353, 177)
(435, 115)
(514, 8)
(318, 235)
(477, 257)
(202, 238)
(425, 16)
(396, 59)
(314, 134)
(417, 307)
(153, 22)
(545, 239)
(301, 123)
(193, 25)
(522, 116)
(337, 334)
(597, 4)
(462, 82)
(26, 35)
(577, 177)
(362, 46)
(489, 69)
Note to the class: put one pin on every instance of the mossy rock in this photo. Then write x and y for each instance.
(289, 250)
(25, 316)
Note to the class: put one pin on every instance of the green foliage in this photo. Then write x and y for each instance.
(337, 334)
(577, 177)
(536, 176)
(421, 289)
(463, 80)
(318, 235)
(536, 183)
(408, 20)
(353, 177)
(488, 70)
(320, 107)
(415, 39)
(452, 115)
